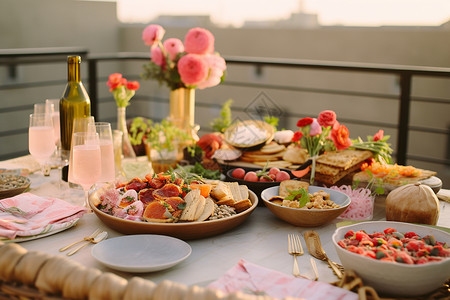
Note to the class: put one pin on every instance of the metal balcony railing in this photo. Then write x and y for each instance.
(13, 57)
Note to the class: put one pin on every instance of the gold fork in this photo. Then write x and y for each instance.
(295, 248)
(86, 238)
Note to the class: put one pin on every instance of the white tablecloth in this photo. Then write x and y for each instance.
(261, 239)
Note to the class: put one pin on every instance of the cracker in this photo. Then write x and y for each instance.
(277, 163)
(291, 185)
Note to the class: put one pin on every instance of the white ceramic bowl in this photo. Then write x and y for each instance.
(395, 279)
(306, 217)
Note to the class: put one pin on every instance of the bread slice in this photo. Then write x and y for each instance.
(291, 185)
(244, 191)
(222, 192)
(235, 191)
(192, 200)
(343, 159)
(201, 202)
(208, 210)
(242, 205)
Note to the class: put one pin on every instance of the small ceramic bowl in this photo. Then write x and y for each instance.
(396, 279)
(307, 217)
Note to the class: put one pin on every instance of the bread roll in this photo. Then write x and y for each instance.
(10, 254)
(79, 282)
(108, 286)
(28, 267)
(53, 274)
(139, 289)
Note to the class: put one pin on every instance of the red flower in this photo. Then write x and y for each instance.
(379, 135)
(114, 81)
(327, 118)
(305, 121)
(297, 136)
(133, 85)
(340, 136)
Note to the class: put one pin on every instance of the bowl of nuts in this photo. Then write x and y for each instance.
(300, 204)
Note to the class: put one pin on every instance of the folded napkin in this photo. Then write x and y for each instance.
(250, 278)
(27, 214)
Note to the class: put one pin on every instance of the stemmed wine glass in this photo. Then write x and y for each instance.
(60, 159)
(86, 161)
(106, 149)
(41, 143)
(55, 115)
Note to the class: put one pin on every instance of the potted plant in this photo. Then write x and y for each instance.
(162, 142)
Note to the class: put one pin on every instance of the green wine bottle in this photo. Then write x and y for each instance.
(75, 103)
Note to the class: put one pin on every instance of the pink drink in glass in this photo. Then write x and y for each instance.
(38, 142)
(107, 153)
(86, 165)
(56, 127)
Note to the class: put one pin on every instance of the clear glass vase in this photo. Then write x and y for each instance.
(127, 149)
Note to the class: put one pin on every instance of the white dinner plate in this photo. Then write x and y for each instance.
(141, 253)
(50, 229)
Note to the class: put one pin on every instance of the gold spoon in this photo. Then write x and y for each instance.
(315, 249)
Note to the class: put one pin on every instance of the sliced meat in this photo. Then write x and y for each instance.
(167, 191)
(136, 184)
(146, 196)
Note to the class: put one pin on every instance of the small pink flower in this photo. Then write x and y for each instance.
(133, 85)
(157, 57)
(379, 135)
(193, 69)
(199, 41)
(152, 34)
(217, 66)
(173, 46)
(327, 118)
(316, 129)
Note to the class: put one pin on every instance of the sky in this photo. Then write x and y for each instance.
(330, 12)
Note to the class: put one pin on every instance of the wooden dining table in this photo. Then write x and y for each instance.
(262, 239)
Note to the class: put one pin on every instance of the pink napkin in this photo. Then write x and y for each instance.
(250, 278)
(27, 214)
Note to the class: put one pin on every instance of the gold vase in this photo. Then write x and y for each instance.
(182, 110)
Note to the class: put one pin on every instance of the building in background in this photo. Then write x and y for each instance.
(94, 25)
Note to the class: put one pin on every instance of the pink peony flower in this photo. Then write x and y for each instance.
(379, 135)
(316, 129)
(199, 41)
(327, 118)
(157, 57)
(193, 69)
(153, 34)
(173, 46)
(217, 66)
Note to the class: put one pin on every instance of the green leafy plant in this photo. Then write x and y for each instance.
(272, 121)
(221, 123)
(161, 136)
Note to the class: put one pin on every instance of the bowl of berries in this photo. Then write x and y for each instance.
(258, 179)
(395, 258)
